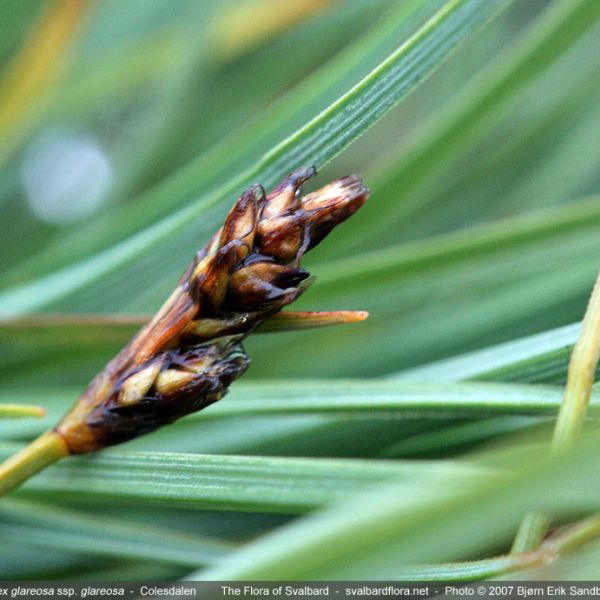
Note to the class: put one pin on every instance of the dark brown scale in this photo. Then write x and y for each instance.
(114, 423)
(261, 286)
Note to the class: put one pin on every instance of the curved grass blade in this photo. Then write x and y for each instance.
(369, 399)
(409, 400)
(320, 140)
(42, 524)
(263, 484)
(471, 114)
(215, 168)
(382, 531)
(517, 276)
(540, 358)
(456, 437)
(468, 571)
(443, 296)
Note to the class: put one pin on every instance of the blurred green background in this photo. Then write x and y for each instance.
(127, 130)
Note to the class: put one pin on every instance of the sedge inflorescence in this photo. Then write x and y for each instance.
(185, 358)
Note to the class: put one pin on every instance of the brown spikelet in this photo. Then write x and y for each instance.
(185, 358)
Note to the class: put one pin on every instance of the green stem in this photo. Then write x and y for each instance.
(531, 533)
(573, 410)
(475, 570)
(567, 540)
(580, 378)
(574, 536)
(21, 410)
(43, 451)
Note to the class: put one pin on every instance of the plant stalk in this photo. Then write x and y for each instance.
(564, 541)
(13, 411)
(43, 451)
(573, 410)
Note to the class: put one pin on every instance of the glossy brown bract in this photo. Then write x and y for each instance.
(190, 352)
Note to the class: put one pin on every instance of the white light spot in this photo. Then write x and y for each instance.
(66, 177)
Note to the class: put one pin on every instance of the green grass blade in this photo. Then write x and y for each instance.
(467, 571)
(371, 397)
(457, 436)
(469, 116)
(374, 399)
(219, 165)
(41, 524)
(542, 357)
(264, 484)
(317, 142)
(379, 532)
(11, 411)
(447, 295)
(513, 280)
